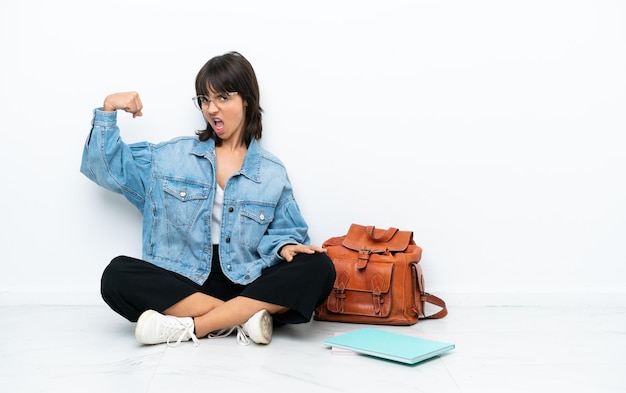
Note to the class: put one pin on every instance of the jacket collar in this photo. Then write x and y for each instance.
(251, 167)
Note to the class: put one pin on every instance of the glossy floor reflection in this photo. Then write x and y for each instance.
(498, 349)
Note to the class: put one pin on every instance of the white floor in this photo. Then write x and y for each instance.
(498, 349)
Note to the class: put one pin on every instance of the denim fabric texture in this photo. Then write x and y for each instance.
(173, 184)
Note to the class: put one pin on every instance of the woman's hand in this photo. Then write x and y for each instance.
(127, 101)
(291, 250)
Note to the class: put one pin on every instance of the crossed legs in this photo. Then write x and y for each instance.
(211, 314)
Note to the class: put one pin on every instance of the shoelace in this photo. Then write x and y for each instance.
(242, 337)
(182, 331)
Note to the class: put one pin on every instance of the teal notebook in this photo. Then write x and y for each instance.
(388, 345)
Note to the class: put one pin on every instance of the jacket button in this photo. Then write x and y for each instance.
(229, 267)
(228, 240)
(231, 209)
(246, 277)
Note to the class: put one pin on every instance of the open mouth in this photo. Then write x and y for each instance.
(218, 125)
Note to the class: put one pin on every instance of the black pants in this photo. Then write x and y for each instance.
(131, 286)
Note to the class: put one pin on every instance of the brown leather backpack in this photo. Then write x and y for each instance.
(379, 279)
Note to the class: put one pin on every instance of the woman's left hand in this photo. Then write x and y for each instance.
(291, 250)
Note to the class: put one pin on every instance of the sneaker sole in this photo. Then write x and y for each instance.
(264, 336)
(140, 326)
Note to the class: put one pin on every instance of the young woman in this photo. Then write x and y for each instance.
(225, 247)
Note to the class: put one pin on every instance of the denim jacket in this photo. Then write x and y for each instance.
(173, 185)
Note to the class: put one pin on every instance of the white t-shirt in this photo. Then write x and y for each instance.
(216, 216)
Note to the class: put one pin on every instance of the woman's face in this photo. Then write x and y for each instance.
(226, 113)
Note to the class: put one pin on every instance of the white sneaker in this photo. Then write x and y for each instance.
(258, 329)
(155, 328)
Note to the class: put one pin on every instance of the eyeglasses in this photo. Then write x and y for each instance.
(220, 100)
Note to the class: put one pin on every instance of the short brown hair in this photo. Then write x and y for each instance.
(227, 73)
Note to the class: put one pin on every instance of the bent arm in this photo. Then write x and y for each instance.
(111, 163)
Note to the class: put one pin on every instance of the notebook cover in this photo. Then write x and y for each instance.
(388, 345)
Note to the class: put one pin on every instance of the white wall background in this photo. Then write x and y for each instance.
(492, 129)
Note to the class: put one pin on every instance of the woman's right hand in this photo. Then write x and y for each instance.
(128, 101)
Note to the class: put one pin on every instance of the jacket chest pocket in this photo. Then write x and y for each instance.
(254, 221)
(182, 202)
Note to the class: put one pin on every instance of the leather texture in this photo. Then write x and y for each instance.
(379, 279)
